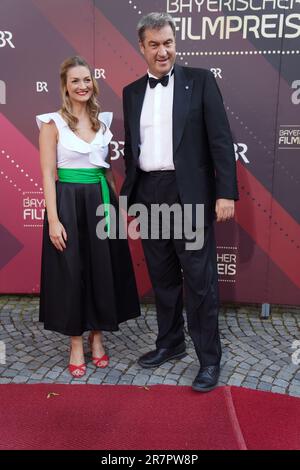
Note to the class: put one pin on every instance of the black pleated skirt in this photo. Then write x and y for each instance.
(91, 284)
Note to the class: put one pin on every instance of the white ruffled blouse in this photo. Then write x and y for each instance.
(74, 152)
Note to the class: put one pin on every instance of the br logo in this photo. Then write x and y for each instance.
(2, 92)
(296, 94)
(117, 149)
(6, 39)
(217, 72)
(240, 152)
(100, 73)
(41, 86)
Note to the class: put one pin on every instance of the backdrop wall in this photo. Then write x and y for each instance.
(253, 48)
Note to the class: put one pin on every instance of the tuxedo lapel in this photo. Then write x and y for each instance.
(137, 98)
(183, 88)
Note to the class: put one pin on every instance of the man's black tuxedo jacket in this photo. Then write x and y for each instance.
(203, 150)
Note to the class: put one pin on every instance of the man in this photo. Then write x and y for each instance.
(178, 149)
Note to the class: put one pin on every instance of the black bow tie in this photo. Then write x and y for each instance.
(154, 81)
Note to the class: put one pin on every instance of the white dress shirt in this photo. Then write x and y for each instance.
(156, 127)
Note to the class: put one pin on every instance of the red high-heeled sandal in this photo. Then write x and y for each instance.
(77, 371)
(100, 362)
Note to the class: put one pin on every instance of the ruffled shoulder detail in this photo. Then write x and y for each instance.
(103, 138)
(48, 117)
(106, 118)
(69, 140)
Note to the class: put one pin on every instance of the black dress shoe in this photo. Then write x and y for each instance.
(207, 379)
(160, 356)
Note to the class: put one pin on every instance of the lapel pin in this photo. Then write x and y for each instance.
(187, 87)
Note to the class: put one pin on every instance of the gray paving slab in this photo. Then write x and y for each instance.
(257, 353)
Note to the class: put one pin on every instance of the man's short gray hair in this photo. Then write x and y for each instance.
(154, 20)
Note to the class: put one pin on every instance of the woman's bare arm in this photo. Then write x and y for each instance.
(48, 143)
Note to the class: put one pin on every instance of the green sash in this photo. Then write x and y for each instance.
(88, 176)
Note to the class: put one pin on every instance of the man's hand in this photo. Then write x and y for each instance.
(224, 209)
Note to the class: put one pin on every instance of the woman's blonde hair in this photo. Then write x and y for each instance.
(92, 106)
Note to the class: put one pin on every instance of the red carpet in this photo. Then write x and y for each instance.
(268, 421)
(128, 417)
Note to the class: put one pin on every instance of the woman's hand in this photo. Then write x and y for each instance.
(58, 235)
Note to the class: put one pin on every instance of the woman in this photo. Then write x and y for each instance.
(87, 283)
